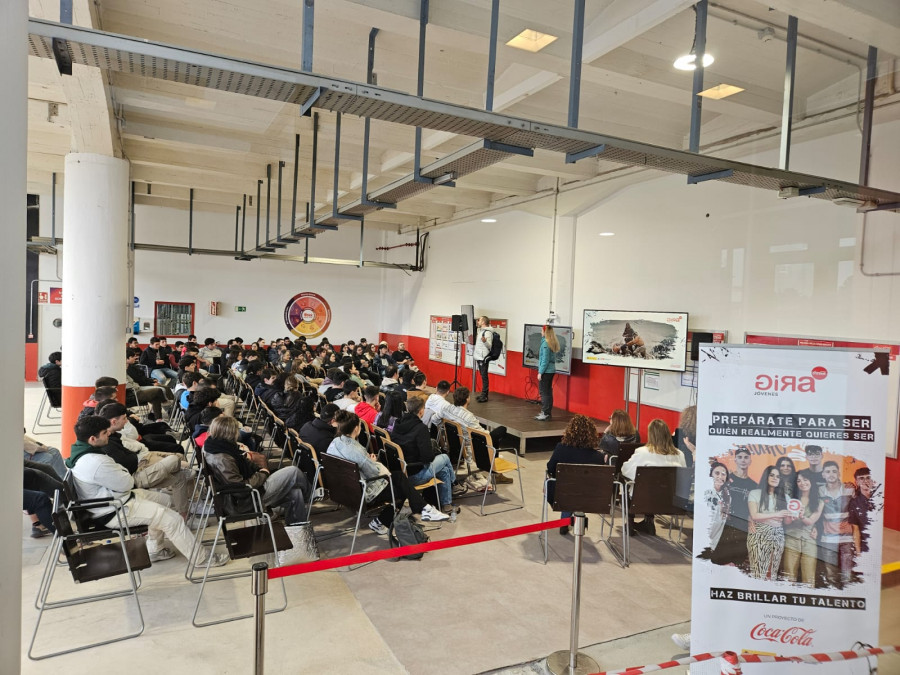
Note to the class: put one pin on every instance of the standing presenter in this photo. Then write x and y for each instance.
(482, 354)
(546, 370)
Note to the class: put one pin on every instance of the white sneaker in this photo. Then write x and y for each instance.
(429, 513)
(376, 526)
(162, 554)
(682, 641)
(218, 559)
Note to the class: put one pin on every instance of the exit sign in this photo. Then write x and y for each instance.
(240, 308)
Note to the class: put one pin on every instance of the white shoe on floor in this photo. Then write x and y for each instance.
(376, 526)
(429, 513)
(162, 554)
(682, 641)
(218, 559)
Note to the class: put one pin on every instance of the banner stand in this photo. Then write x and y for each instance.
(570, 661)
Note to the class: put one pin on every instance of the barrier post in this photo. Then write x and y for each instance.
(259, 586)
(571, 661)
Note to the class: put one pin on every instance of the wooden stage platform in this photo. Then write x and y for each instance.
(517, 415)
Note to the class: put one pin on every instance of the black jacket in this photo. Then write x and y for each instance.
(120, 454)
(51, 376)
(318, 434)
(266, 392)
(136, 373)
(411, 434)
(148, 358)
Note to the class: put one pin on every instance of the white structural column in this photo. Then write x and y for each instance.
(13, 134)
(563, 284)
(95, 279)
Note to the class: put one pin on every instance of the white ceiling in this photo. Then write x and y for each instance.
(179, 137)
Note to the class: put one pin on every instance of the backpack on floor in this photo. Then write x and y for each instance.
(496, 347)
(477, 482)
(406, 532)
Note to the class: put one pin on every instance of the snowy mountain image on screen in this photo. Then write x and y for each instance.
(607, 337)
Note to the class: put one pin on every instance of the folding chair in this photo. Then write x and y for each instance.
(397, 462)
(365, 436)
(305, 458)
(651, 492)
(244, 541)
(378, 437)
(455, 441)
(92, 555)
(487, 458)
(50, 401)
(347, 487)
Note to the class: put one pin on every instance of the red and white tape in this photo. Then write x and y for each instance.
(729, 662)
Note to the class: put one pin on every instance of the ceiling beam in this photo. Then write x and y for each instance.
(619, 23)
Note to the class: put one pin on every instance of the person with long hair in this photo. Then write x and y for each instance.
(768, 511)
(801, 535)
(579, 445)
(659, 451)
(718, 499)
(620, 430)
(547, 370)
(685, 438)
(788, 471)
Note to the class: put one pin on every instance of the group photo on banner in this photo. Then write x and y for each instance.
(788, 502)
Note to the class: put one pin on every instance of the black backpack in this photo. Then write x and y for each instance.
(406, 532)
(496, 347)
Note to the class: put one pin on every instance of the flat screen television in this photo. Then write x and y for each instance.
(531, 345)
(627, 338)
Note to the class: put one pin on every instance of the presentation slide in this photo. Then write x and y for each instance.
(531, 345)
(626, 338)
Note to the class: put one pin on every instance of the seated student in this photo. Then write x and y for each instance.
(131, 343)
(659, 451)
(210, 351)
(401, 356)
(685, 437)
(366, 372)
(327, 383)
(406, 379)
(51, 372)
(459, 413)
(187, 364)
(368, 409)
(200, 399)
(159, 367)
(578, 445)
(253, 373)
(417, 390)
(383, 359)
(437, 403)
(149, 391)
(225, 401)
(294, 406)
(150, 469)
(620, 430)
(336, 391)
(392, 408)
(424, 460)
(351, 397)
(166, 352)
(266, 388)
(232, 463)
(39, 485)
(189, 384)
(37, 452)
(97, 476)
(319, 432)
(389, 381)
(347, 447)
(101, 395)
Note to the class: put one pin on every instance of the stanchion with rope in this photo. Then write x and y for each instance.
(259, 585)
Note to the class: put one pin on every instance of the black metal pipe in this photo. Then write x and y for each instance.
(701, 9)
(296, 172)
(337, 163)
(53, 209)
(278, 212)
(492, 56)
(575, 68)
(243, 222)
(191, 223)
(258, 198)
(237, 224)
(868, 109)
(130, 244)
(268, 199)
(311, 215)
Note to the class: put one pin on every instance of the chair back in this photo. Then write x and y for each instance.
(654, 491)
(365, 436)
(304, 456)
(342, 480)
(482, 449)
(144, 368)
(54, 394)
(455, 440)
(393, 455)
(584, 487)
(626, 451)
(379, 436)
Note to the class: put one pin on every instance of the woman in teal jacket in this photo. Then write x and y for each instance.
(546, 370)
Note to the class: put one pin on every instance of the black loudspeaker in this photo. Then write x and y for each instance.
(459, 322)
(696, 340)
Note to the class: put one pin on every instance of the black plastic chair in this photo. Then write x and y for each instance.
(653, 492)
(51, 401)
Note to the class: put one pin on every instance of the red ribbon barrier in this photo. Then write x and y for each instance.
(360, 558)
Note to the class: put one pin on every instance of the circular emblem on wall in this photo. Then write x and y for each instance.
(307, 314)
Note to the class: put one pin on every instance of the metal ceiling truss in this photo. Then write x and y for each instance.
(149, 59)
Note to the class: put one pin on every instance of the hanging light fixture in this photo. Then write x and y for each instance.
(689, 60)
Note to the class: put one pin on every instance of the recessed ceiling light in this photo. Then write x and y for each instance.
(488, 220)
(607, 234)
(531, 40)
(721, 91)
(686, 62)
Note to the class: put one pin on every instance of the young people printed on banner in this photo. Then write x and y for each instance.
(768, 512)
(814, 459)
(861, 504)
(788, 471)
(836, 543)
(732, 546)
(718, 499)
(801, 535)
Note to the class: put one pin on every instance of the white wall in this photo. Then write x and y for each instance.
(754, 263)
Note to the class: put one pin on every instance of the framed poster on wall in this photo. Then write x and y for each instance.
(632, 339)
(531, 346)
(497, 367)
(442, 341)
(885, 365)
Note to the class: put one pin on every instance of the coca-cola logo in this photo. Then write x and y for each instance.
(795, 635)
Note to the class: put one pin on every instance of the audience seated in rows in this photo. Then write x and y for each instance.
(579, 445)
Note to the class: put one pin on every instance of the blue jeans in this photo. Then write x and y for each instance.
(288, 487)
(442, 467)
(51, 456)
(162, 373)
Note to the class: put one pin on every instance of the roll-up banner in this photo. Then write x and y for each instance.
(788, 501)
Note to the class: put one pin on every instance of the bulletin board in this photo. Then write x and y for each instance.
(671, 390)
(442, 341)
(892, 366)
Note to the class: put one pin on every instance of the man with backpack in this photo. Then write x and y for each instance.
(484, 353)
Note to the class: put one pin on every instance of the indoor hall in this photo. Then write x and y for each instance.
(200, 172)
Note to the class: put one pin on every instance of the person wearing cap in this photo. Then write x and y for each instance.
(320, 431)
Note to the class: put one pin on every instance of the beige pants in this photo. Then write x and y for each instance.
(163, 470)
